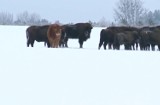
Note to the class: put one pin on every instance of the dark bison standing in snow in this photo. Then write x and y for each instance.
(38, 33)
(80, 31)
(149, 36)
(127, 38)
(144, 40)
(109, 36)
(106, 37)
(154, 37)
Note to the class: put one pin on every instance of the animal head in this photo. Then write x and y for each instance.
(88, 30)
(57, 29)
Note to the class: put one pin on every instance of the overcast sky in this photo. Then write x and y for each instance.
(69, 10)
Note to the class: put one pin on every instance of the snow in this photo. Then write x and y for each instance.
(73, 76)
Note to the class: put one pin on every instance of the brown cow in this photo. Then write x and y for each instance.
(54, 35)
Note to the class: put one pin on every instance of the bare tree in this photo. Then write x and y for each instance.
(34, 19)
(157, 17)
(102, 22)
(28, 19)
(22, 18)
(129, 12)
(44, 22)
(150, 19)
(6, 18)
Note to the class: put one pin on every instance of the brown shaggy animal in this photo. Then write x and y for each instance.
(54, 35)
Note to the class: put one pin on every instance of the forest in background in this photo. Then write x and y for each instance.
(126, 13)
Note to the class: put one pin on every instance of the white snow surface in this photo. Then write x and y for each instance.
(73, 76)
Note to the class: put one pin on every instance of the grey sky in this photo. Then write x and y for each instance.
(69, 10)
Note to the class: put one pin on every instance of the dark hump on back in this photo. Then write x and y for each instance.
(122, 28)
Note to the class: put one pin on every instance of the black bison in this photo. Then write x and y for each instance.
(107, 36)
(149, 36)
(154, 37)
(128, 38)
(80, 31)
(144, 40)
(38, 33)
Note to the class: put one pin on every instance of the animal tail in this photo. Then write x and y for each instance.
(27, 34)
(101, 39)
(102, 35)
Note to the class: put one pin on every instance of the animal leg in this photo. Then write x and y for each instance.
(100, 44)
(32, 43)
(110, 46)
(81, 43)
(28, 44)
(104, 45)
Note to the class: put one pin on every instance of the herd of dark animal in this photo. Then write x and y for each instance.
(145, 37)
(55, 36)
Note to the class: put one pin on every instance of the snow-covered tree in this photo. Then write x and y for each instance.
(129, 12)
(27, 19)
(6, 18)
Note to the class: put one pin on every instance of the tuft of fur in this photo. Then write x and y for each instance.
(54, 35)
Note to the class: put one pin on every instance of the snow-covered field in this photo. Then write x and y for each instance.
(73, 76)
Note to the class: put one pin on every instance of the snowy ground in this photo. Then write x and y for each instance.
(73, 76)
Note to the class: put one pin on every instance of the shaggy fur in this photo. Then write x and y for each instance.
(80, 31)
(54, 35)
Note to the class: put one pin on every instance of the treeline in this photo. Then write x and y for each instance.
(133, 13)
(126, 13)
(148, 18)
(24, 18)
